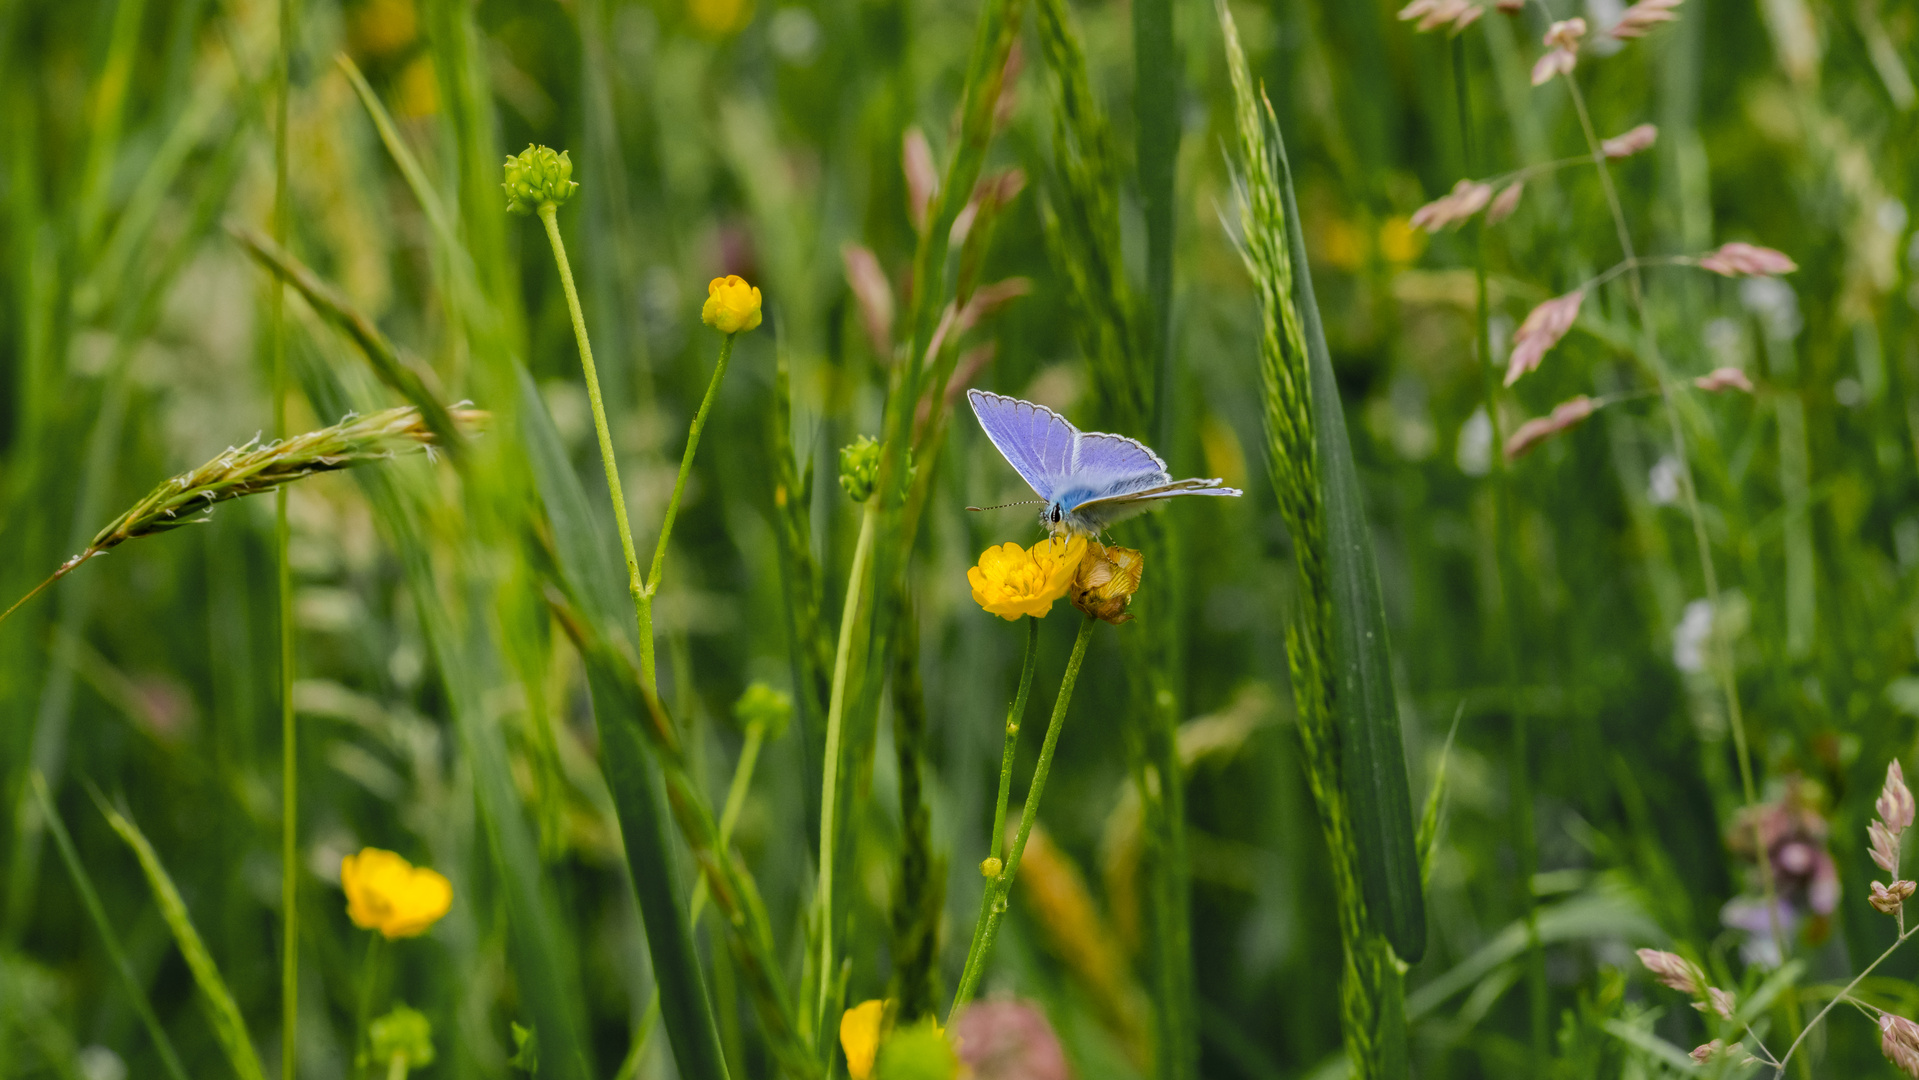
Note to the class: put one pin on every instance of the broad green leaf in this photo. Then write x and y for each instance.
(1373, 758)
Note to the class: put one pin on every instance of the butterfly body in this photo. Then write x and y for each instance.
(1087, 479)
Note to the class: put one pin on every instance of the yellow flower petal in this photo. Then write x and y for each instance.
(384, 892)
(860, 1037)
(1011, 581)
(731, 305)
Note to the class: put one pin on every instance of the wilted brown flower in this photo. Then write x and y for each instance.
(1643, 16)
(1107, 579)
(1543, 328)
(1628, 143)
(1540, 428)
(1468, 197)
(1009, 1040)
(1747, 260)
(1673, 971)
(1505, 203)
(1887, 899)
(1899, 1041)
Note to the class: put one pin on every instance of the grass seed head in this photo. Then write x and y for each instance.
(1543, 328)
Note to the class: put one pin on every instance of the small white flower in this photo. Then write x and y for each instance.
(1662, 483)
(1689, 638)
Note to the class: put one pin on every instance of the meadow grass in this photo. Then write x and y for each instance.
(1552, 674)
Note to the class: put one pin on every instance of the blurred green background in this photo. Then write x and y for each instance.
(758, 137)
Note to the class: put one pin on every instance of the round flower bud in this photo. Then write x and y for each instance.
(763, 705)
(860, 468)
(403, 1033)
(538, 176)
(731, 305)
(989, 867)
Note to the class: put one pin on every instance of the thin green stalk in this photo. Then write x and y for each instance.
(996, 840)
(1722, 652)
(369, 974)
(289, 741)
(993, 904)
(673, 504)
(1525, 840)
(835, 715)
(549, 217)
(1843, 995)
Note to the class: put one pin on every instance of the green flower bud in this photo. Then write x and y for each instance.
(536, 177)
(403, 1033)
(920, 1052)
(761, 704)
(860, 468)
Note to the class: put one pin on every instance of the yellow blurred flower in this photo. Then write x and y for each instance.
(417, 88)
(1011, 581)
(731, 305)
(384, 892)
(721, 17)
(860, 1037)
(1106, 581)
(1399, 242)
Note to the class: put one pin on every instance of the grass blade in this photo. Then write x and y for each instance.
(90, 899)
(228, 1025)
(593, 578)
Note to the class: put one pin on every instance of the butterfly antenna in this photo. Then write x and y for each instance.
(1002, 506)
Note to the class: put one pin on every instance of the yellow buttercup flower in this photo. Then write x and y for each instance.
(1011, 581)
(860, 1037)
(384, 892)
(731, 305)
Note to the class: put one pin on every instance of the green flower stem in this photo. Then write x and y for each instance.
(362, 1031)
(993, 903)
(835, 714)
(283, 574)
(735, 801)
(645, 596)
(549, 216)
(996, 840)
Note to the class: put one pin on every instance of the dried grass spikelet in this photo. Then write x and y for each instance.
(1627, 143)
(256, 468)
(1895, 805)
(1899, 1041)
(1736, 1054)
(1643, 16)
(1076, 931)
(1674, 971)
(1886, 899)
(1468, 197)
(1565, 415)
(1718, 1002)
(1562, 50)
(1505, 202)
(1747, 260)
(922, 177)
(1433, 14)
(1543, 328)
(873, 293)
(1724, 378)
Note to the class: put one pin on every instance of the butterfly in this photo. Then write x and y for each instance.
(1087, 479)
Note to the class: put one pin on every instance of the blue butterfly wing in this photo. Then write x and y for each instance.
(1105, 466)
(1036, 441)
